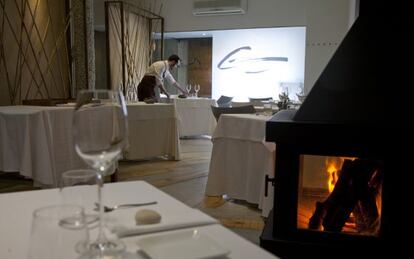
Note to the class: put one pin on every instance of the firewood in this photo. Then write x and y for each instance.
(315, 222)
(351, 189)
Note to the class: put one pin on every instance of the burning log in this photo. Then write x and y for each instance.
(315, 222)
(366, 210)
(352, 190)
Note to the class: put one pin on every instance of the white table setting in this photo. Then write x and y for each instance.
(171, 235)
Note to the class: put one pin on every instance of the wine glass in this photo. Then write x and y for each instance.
(196, 89)
(100, 134)
(75, 189)
(188, 88)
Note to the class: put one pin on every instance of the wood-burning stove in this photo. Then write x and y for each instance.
(306, 218)
(347, 117)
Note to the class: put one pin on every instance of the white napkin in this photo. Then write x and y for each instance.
(122, 222)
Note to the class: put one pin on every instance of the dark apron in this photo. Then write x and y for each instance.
(146, 88)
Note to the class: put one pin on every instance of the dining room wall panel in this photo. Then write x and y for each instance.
(199, 69)
(33, 54)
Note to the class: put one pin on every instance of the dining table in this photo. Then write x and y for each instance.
(194, 115)
(180, 227)
(153, 131)
(240, 160)
(37, 141)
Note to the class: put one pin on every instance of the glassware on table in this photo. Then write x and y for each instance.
(58, 231)
(196, 89)
(188, 89)
(100, 134)
(75, 189)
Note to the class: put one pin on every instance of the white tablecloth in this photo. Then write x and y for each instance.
(152, 131)
(37, 142)
(240, 160)
(15, 221)
(194, 116)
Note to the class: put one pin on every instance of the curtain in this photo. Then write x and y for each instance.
(137, 36)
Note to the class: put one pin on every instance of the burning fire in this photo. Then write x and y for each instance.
(332, 176)
(329, 214)
(333, 168)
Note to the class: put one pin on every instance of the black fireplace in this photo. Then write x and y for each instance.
(340, 161)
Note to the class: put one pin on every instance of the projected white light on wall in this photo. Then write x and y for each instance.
(253, 62)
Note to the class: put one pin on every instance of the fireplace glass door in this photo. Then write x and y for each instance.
(340, 194)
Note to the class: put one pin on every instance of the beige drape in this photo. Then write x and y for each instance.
(115, 47)
(136, 35)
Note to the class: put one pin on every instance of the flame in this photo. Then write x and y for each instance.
(332, 176)
(333, 167)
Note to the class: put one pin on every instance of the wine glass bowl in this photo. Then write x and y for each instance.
(99, 127)
(188, 88)
(196, 89)
(100, 135)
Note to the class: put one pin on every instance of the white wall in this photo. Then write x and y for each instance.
(260, 13)
(326, 21)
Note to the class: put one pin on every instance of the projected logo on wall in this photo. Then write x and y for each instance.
(247, 65)
(252, 63)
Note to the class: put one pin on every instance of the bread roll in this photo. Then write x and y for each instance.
(146, 216)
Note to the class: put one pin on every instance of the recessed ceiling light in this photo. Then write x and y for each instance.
(204, 34)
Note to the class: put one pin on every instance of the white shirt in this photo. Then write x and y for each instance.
(161, 71)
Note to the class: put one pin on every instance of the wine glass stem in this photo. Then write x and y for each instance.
(101, 235)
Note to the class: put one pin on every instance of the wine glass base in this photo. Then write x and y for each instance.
(123, 255)
(106, 249)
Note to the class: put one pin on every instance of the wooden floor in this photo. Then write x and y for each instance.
(186, 180)
(160, 172)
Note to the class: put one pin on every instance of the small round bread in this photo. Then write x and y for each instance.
(145, 216)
